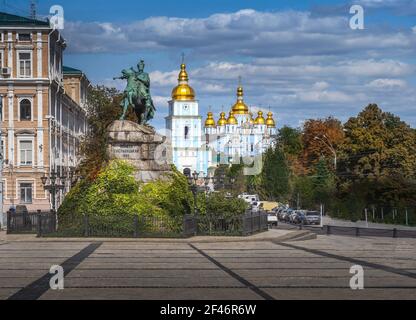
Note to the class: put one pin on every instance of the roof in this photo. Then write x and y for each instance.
(69, 70)
(7, 19)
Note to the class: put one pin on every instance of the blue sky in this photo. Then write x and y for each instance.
(300, 58)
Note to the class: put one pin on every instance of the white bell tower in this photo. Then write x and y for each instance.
(185, 125)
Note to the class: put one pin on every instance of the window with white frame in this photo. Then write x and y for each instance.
(26, 192)
(1, 59)
(25, 64)
(25, 110)
(26, 152)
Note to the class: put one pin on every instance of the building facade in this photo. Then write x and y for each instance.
(201, 148)
(232, 139)
(43, 114)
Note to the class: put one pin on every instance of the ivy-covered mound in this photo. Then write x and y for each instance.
(114, 198)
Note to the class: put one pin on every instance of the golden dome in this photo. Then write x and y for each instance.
(232, 119)
(260, 119)
(210, 122)
(183, 91)
(222, 121)
(240, 107)
(270, 121)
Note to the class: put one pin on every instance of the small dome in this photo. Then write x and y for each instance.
(210, 122)
(260, 120)
(222, 121)
(270, 121)
(240, 107)
(231, 119)
(183, 91)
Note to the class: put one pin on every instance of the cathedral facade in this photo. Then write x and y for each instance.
(228, 140)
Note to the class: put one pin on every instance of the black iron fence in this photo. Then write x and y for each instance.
(351, 231)
(126, 226)
(31, 222)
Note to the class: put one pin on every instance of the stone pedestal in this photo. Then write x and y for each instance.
(142, 147)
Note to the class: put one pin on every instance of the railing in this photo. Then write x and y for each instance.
(243, 225)
(127, 226)
(31, 222)
(351, 231)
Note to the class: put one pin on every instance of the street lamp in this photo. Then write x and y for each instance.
(192, 181)
(53, 187)
(330, 147)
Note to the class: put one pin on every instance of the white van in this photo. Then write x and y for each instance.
(250, 198)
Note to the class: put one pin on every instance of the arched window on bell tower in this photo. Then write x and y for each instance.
(186, 133)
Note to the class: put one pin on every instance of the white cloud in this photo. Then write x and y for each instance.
(245, 32)
(387, 83)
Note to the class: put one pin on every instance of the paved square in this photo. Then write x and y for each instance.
(313, 269)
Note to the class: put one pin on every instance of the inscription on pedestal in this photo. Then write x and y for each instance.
(126, 151)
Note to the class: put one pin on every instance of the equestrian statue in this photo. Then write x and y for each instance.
(137, 94)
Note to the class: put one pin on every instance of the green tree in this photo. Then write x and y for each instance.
(275, 176)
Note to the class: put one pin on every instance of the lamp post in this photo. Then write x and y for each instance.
(330, 146)
(53, 187)
(192, 181)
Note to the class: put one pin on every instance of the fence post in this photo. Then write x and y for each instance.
(357, 231)
(39, 225)
(86, 226)
(136, 226)
(9, 222)
(394, 233)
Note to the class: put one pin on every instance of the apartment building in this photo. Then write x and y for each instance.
(42, 110)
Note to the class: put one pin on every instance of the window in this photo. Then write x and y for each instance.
(24, 37)
(26, 193)
(186, 132)
(25, 64)
(26, 153)
(2, 155)
(25, 110)
(1, 59)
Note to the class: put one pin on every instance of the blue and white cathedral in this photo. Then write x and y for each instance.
(202, 148)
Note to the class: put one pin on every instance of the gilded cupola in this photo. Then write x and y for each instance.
(210, 122)
(231, 119)
(260, 119)
(270, 121)
(222, 121)
(183, 90)
(240, 107)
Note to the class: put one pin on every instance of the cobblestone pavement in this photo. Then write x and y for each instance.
(313, 269)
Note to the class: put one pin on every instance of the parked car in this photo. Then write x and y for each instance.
(286, 215)
(293, 215)
(312, 217)
(299, 217)
(272, 219)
